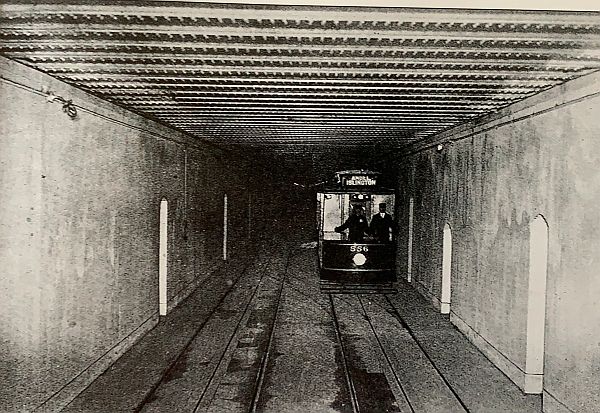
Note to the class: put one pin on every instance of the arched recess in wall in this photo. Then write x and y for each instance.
(225, 227)
(163, 257)
(446, 270)
(536, 305)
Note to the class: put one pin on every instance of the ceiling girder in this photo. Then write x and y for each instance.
(389, 33)
(494, 48)
(264, 13)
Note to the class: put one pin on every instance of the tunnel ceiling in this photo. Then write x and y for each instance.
(316, 88)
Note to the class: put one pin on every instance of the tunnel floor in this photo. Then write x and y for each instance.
(261, 337)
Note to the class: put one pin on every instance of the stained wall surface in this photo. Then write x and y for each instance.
(536, 157)
(79, 230)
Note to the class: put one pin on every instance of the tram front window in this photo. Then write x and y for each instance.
(356, 224)
(382, 225)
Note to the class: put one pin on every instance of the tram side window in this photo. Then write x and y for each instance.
(332, 216)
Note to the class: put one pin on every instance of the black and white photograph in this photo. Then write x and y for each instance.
(299, 206)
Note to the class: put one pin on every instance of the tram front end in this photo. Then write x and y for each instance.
(347, 265)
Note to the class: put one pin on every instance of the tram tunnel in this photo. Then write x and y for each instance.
(160, 163)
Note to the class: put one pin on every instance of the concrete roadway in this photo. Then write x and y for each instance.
(270, 341)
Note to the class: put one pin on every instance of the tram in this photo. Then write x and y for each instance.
(350, 260)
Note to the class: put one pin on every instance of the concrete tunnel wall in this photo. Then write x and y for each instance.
(539, 156)
(79, 231)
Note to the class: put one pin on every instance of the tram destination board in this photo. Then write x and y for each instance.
(358, 180)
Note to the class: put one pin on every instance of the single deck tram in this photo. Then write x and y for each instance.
(357, 231)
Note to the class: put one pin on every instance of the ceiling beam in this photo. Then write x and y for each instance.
(46, 57)
(175, 88)
(224, 12)
(294, 32)
(312, 124)
(366, 105)
(202, 46)
(294, 78)
(192, 111)
(322, 119)
(247, 97)
(469, 72)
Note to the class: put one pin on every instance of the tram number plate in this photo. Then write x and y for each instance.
(359, 248)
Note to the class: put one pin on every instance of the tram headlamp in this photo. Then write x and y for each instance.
(359, 259)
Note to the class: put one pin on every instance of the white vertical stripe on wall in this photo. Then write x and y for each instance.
(163, 257)
(536, 305)
(225, 227)
(411, 205)
(446, 270)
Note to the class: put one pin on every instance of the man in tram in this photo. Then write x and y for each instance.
(382, 225)
(356, 224)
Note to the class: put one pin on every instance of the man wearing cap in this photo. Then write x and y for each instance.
(356, 224)
(382, 225)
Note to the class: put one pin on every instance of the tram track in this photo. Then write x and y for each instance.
(349, 383)
(381, 348)
(266, 357)
(267, 299)
(225, 357)
(180, 360)
(148, 397)
(412, 335)
(385, 354)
